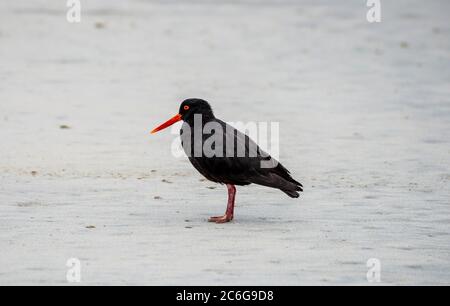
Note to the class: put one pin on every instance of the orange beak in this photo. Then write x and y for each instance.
(168, 123)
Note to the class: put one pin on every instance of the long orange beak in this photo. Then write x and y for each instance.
(168, 123)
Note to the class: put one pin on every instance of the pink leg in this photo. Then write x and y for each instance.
(229, 214)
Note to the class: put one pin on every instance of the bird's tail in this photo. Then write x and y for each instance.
(293, 191)
(292, 194)
(295, 186)
(280, 178)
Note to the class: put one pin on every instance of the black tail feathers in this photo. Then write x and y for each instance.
(294, 193)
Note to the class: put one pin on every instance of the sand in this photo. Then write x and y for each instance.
(364, 113)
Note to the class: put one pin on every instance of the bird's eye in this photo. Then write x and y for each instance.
(186, 107)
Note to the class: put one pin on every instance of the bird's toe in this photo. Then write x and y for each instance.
(221, 219)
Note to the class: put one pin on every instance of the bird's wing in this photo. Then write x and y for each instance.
(260, 168)
(244, 163)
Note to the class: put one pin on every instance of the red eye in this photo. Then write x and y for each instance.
(186, 107)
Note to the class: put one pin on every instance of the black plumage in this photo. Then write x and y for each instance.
(238, 161)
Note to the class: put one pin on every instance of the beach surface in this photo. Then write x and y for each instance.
(364, 115)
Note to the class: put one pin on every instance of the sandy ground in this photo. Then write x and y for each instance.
(364, 112)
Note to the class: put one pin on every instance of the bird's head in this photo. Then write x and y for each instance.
(188, 109)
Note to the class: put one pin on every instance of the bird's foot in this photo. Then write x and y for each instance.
(221, 219)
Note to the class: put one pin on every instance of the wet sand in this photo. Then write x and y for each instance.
(364, 112)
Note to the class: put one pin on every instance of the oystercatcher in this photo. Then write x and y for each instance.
(230, 158)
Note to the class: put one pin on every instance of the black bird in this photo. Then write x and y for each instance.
(232, 159)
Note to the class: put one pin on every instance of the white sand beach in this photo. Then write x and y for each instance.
(364, 113)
